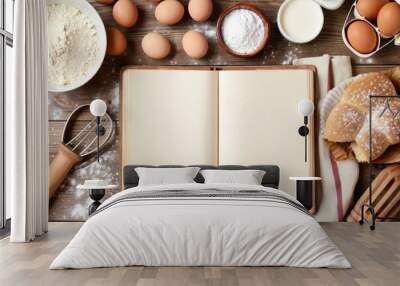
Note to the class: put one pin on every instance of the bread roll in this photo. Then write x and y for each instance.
(394, 75)
(344, 123)
(385, 131)
(361, 146)
(358, 92)
(349, 121)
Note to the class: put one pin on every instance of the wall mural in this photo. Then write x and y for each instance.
(69, 203)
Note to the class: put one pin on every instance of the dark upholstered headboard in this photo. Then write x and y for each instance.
(271, 177)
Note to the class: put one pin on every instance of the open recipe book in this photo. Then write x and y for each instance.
(240, 115)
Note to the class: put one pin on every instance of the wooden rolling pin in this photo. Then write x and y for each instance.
(62, 163)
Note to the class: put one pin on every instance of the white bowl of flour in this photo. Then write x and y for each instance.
(77, 44)
(243, 30)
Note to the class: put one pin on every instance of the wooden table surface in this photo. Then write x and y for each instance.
(70, 204)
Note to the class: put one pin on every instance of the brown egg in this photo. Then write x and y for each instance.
(370, 8)
(156, 46)
(169, 12)
(389, 19)
(125, 13)
(116, 42)
(362, 37)
(195, 44)
(107, 2)
(200, 10)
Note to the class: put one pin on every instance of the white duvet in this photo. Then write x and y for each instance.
(200, 231)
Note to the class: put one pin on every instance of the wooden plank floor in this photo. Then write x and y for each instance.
(375, 257)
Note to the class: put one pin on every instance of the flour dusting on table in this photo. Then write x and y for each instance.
(243, 31)
(72, 44)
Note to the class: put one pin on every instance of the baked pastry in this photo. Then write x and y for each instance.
(344, 122)
(349, 122)
(394, 75)
(341, 151)
(385, 131)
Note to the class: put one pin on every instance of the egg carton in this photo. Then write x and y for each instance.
(383, 41)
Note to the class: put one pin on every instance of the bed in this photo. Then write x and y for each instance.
(199, 224)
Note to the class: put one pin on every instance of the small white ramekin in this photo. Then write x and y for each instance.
(287, 36)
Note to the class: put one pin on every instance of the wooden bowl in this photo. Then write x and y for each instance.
(253, 8)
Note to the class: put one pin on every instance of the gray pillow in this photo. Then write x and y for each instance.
(166, 176)
(248, 177)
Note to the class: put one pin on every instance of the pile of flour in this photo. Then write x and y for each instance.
(242, 31)
(72, 44)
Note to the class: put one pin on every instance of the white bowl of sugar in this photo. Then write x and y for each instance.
(300, 21)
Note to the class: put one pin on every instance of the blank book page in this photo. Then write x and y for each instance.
(258, 120)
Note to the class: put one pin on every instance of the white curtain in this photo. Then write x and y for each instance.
(27, 124)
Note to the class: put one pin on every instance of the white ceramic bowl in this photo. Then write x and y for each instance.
(92, 14)
(287, 9)
(330, 4)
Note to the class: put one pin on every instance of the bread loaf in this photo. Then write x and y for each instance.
(385, 131)
(349, 121)
(344, 122)
(394, 75)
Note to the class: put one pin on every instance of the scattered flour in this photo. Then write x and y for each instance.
(72, 44)
(289, 57)
(242, 31)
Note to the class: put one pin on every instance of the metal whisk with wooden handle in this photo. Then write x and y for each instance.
(80, 147)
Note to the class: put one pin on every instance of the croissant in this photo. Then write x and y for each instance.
(349, 120)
